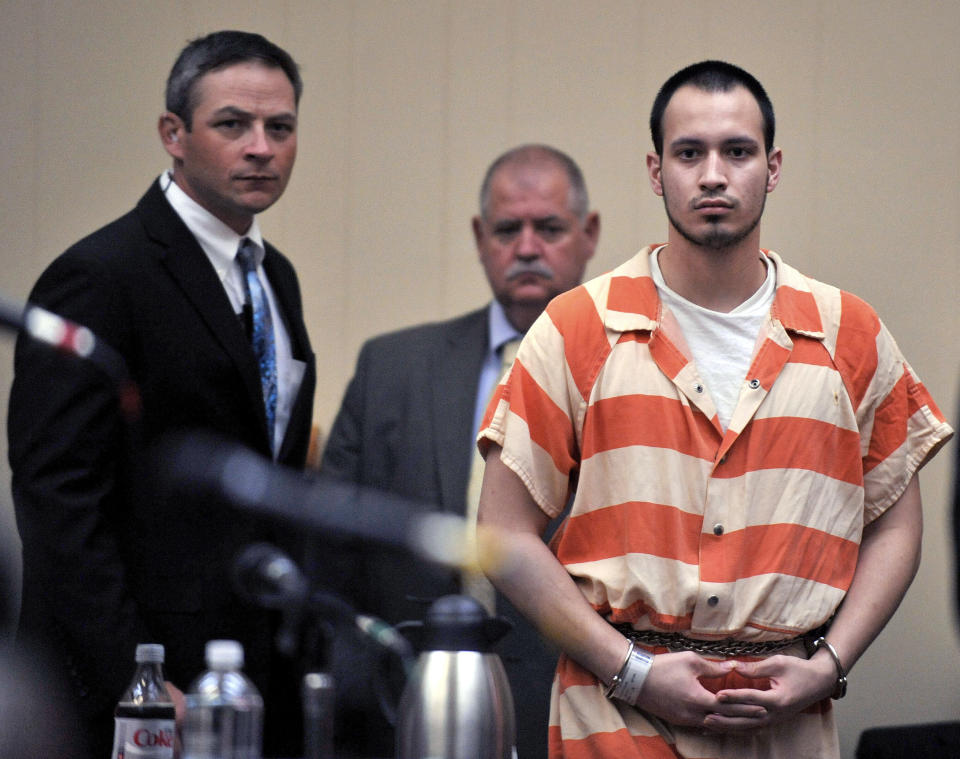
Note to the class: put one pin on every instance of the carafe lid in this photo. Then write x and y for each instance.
(461, 623)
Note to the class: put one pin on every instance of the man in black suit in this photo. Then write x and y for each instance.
(110, 559)
(412, 410)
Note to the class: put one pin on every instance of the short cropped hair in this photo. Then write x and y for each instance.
(216, 51)
(577, 201)
(711, 76)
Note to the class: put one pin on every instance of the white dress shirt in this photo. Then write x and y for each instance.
(220, 244)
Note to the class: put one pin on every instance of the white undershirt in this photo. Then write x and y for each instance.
(220, 244)
(722, 344)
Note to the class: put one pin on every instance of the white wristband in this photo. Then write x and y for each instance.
(628, 682)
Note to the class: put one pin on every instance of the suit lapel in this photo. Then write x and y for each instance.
(190, 268)
(284, 284)
(453, 398)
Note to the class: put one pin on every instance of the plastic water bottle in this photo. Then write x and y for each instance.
(224, 718)
(317, 695)
(145, 717)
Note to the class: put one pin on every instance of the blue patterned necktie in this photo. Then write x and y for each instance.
(262, 336)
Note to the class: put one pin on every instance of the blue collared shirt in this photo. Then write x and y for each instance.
(501, 331)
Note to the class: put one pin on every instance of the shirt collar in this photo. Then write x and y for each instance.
(500, 329)
(633, 303)
(794, 305)
(218, 241)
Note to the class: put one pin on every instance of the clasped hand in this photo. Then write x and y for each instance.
(678, 690)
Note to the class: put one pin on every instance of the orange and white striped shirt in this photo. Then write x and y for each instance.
(676, 525)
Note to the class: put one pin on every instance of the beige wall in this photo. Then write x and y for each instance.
(407, 101)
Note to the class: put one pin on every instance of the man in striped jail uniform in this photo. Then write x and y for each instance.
(741, 443)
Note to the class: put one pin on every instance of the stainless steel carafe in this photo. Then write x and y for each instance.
(457, 702)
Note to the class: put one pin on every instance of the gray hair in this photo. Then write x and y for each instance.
(536, 154)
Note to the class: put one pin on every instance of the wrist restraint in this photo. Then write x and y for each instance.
(626, 684)
(840, 690)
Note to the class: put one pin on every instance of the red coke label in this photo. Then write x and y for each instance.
(145, 732)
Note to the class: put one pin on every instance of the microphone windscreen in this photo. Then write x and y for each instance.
(265, 575)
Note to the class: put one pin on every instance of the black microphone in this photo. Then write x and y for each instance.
(11, 313)
(266, 576)
(74, 339)
(47, 327)
(199, 464)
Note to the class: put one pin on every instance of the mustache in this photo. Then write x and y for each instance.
(524, 268)
(713, 196)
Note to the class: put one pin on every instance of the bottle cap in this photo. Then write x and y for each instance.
(224, 654)
(149, 652)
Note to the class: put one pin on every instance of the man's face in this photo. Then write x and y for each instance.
(237, 158)
(531, 245)
(715, 173)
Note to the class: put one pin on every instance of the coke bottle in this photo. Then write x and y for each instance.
(145, 716)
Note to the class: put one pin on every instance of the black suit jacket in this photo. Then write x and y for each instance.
(956, 529)
(405, 426)
(110, 558)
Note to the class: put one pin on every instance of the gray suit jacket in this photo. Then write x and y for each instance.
(405, 426)
(407, 415)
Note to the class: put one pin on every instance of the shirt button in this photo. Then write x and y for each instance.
(699, 388)
(713, 601)
(718, 529)
(754, 383)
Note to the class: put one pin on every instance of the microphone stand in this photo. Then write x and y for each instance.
(264, 575)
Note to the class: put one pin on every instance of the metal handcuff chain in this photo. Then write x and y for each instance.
(725, 647)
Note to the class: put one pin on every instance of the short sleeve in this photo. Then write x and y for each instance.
(533, 417)
(901, 428)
